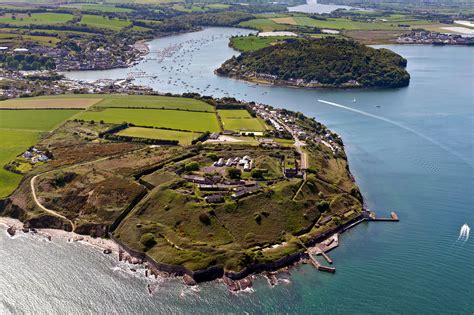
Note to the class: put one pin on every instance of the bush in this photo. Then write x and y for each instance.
(192, 166)
(204, 218)
(257, 217)
(323, 206)
(213, 156)
(234, 173)
(257, 173)
(148, 240)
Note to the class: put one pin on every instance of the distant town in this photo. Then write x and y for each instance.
(435, 38)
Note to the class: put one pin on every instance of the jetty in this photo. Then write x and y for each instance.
(322, 249)
(393, 217)
(320, 267)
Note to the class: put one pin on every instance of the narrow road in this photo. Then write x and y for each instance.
(298, 145)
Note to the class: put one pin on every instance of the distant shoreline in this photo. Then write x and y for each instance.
(288, 84)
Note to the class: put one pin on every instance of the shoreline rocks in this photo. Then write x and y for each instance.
(11, 231)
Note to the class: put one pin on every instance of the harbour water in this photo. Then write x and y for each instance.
(312, 6)
(416, 160)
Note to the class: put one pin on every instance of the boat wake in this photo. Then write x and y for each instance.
(464, 233)
(392, 122)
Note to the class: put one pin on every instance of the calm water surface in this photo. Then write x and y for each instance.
(416, 160)
(312, 6)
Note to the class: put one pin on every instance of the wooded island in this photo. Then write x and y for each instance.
(325, 62)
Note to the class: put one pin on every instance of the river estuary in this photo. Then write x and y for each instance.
(411, 150)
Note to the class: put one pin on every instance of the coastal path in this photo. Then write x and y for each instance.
(52, 212)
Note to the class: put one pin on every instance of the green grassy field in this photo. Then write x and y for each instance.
(49, 103)
(184, 138)
(36, 18)
(188, 8)
(140, 29)
(101, 22)
(19, 129)
(264, 25)
(251, 43)
(240, 119)
(155, 102)
(220, 6)
(10, 39)
(12, 143)
(193, 121)
(340, 24)
(36, 119)
(97, 7)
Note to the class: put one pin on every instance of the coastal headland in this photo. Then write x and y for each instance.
(245, 189)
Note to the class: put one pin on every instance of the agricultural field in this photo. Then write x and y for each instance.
(12, 143)
(174, 119)
(101, 22)
(240, 120)
(374, 37)
(337, 24)
(184, 138)
(218, 6)
(20, 129)
(36, 18)
(264, 25)
(46, 103)
(252, 42)
(140, 29)
(17, 40)
(34, 119)
(158, 102)
(189, 8)
(97, 7)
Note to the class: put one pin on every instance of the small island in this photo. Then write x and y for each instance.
(319, 63)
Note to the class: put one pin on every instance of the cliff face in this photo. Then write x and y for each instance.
(48, 222)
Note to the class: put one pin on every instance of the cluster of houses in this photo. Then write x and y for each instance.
(246, 162)
(89, 58)
(25, 86)
(215, 188)
(34, 155)
(281, 121)
(297, 81)
(271, 115)
(435, 38)
(5, 49)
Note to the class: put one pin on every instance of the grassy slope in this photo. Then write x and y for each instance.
(97, 7)
(14, 140)
(252, 43)
(239, 120)
(155, 102)
(264, 25)
(41, 120)
(22, 103)
(194, 121)
(12, 143)
(38, 18)
(184, 138)
(344, 24)
(101, 22)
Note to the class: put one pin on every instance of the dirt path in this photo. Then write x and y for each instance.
(52, 212)
(33, 192)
